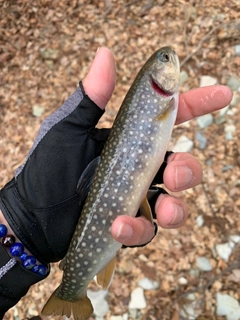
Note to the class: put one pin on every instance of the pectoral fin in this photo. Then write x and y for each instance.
(163, 116)
(85, 181)
(61, 264)
(145, 210)
(104, 277)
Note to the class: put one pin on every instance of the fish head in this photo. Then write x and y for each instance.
(164, 71)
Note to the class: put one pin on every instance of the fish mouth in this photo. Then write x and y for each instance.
(159, 89)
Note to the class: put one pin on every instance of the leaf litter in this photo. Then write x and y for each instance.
(46, 47)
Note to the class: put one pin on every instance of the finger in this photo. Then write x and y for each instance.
(99, 83)
(198, 102)
(132, 231)
(183, 171)
(171, 212)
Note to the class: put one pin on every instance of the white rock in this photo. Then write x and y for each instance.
(205, 121)
(200, 220)
(100, 305)
(138, 300)
(37, 110)
(182, 281)
(224, 250)
(121, 317)
(183, 77)
(234, 238)
(148, 284)
(204, 264)
(207, 81)
(187, 310)
(227, 306)
(183, 144)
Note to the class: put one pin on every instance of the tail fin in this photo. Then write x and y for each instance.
(80, 309)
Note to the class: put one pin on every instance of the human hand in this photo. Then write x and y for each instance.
(183, 171)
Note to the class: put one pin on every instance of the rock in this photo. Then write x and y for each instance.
(227, 306)
(49, 54)
(200, 221)
(121, 317)
(202, 141)
(183, 144)
(204, 264)
(137, 300)
(148, 284)
(233, 83)
(187, 310)
(224, 250)
(207, 81)
(221, 118)
(182, 281)
(234, 102)
(183, 77)
(229, 130)
(205, 121)
(100, 305)
(37, 110)
(237, 49)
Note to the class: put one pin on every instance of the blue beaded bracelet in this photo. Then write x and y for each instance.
(16, 250)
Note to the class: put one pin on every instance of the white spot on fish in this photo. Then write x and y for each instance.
(93, 228)
(99, 249)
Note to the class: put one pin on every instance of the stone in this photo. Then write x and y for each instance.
(200, 220)
(202, 141)
(229, 130)
(205, 121)
(183, 144)
(227, 306)
(237, 49)
(182, 281)
(183, 77)
(224, 250)
(120, 317)
(137, 300)
(233, 83)
(37, 110)
(207, 81)
(49, 54)
(203, 264)
(148, 284)
(99, 303)
(187, 311)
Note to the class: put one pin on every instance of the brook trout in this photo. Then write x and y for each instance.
(121, 177)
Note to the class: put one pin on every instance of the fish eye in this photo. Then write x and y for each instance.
(163, 57)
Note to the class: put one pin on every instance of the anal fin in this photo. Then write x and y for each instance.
(104, 277)
(145, 210)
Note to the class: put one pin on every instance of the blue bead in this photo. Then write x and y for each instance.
(24, 256)
(35, 269)
(42, 270)
(3, 230)
(16, 249)
(29, 263)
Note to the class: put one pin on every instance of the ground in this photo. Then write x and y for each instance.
(46, 47)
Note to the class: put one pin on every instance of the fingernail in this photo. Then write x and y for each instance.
(125, 231)
(183, 177)
(178, 215)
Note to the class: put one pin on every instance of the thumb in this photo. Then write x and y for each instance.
(99, 83)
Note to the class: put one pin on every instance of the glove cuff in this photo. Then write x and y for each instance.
(14, 281)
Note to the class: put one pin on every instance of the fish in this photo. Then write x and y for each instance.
(117, 182)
